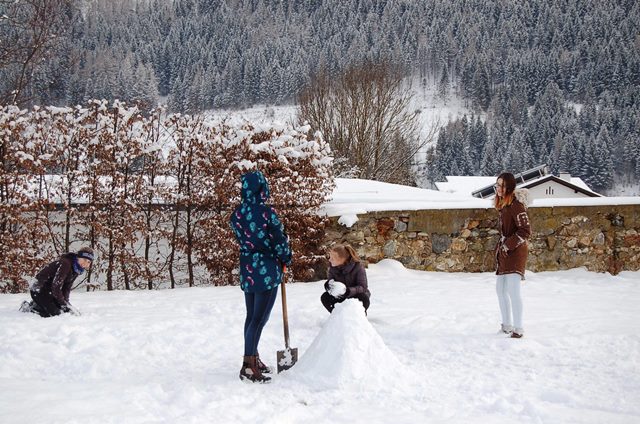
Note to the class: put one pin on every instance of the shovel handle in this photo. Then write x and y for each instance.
(285, 316)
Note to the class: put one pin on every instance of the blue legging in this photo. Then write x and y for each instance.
(259, 307)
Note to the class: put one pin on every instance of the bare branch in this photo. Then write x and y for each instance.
(364, 115)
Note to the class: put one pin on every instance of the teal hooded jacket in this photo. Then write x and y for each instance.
(264, 245)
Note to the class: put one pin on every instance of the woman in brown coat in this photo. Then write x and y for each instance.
(511, 251)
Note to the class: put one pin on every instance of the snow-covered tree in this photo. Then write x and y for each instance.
(598, 165)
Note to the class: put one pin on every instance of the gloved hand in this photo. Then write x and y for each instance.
(326, 285)
(337, 289)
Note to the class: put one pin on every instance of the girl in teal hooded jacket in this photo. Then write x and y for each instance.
(264, 250)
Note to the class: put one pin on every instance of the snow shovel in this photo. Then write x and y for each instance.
(287, 357)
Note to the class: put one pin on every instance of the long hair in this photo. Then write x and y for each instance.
(346, 252)
(509, 182)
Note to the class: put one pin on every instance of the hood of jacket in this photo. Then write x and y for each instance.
(522, 194)
(255, 188)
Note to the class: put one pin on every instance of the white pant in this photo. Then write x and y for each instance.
(508, 290)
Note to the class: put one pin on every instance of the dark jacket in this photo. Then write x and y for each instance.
(354, 276)
(515, 230)
(57, 278)
(264, 246)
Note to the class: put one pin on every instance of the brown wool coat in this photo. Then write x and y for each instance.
(515, 229)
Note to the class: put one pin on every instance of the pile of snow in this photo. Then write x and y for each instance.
(348, 353)
(348, 220)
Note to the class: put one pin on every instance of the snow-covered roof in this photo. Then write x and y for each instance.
(465, 185)
(573, 182)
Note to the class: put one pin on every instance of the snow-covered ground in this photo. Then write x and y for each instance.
(427, 352)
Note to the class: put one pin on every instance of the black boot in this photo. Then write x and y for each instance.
(264, 368)
(251, 372)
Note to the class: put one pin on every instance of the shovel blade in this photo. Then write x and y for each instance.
(287, 358)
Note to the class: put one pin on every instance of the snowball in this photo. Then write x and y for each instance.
(336, 288)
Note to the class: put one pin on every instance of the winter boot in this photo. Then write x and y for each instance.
(505, 329)
(26, 307)
(264, 368)
(251, 372)
(517, 333)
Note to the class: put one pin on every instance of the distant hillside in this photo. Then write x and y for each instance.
(517, 63)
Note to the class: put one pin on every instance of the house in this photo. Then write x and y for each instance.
(540, 183)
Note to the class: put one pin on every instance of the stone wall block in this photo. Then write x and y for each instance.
(584, 241)
(632, 240)
(551, 242)
(569, 230)
(579, 219)
(356, 237)
(390, 249)
(598, 240)
(440, 243)
(384, 225)
(459, 245)
(400, 226)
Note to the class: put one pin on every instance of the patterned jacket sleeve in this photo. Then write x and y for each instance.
(523, 231)
(279, 238)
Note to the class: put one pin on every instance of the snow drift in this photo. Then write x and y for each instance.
(349, 353)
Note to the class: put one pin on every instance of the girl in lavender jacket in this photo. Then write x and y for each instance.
(347, 278)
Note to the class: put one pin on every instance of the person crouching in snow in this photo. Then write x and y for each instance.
(347, 278)
(50, 292)
(264, 255)
(511, 251)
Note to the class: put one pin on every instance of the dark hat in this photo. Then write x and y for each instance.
(86, 253)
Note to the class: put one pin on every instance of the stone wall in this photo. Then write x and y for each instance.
(600, 238)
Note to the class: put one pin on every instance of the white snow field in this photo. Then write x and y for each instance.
(427, 352)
